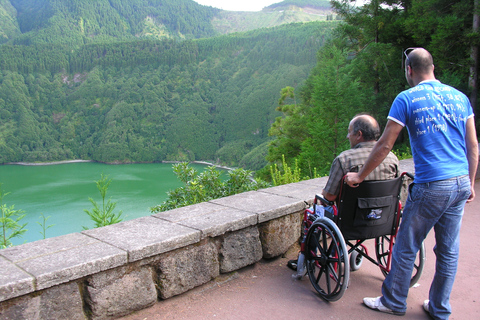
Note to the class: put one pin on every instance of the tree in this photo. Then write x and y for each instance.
(312, 134)
(445, 29)
(448, 29)
(333, 96)
(473, 83)
(289, 130)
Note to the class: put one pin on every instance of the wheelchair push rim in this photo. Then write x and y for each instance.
(327, 259)
(383, 250)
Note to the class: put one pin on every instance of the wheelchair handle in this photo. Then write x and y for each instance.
(410, 175)
(322, 199)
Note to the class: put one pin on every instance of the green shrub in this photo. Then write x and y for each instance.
(10, 222)
(208, 185)
(103, 216)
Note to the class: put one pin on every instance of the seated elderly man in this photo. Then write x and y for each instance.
(363, 133)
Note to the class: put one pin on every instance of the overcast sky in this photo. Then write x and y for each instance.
(238, 5)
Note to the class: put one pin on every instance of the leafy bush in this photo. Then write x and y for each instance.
(403, 152)
(208, 185)
(10, 226)
(287, 174)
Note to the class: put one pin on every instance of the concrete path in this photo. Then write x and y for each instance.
(267, 290)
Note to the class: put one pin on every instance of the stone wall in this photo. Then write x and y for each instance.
(113, 271)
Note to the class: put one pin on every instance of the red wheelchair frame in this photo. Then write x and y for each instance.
(370, 211)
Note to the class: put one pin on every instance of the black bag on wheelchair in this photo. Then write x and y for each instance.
(370, 210)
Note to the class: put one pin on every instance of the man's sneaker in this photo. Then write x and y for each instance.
(425, 306)
(376, 304)
(292, 264)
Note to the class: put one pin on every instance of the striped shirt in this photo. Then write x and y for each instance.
(352, 160)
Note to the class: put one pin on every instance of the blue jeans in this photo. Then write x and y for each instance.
(437, 205)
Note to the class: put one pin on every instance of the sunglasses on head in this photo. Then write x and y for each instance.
(406, 53)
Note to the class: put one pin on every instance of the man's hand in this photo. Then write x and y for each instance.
(472, 196)
(353, 179)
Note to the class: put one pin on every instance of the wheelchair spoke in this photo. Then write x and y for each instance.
(384, 248)
(325, 260)
(322, 270)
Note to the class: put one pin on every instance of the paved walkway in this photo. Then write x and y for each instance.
(266, 290)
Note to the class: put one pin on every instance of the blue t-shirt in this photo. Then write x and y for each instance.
(435, 115)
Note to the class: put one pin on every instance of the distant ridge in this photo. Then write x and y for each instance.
(79, 22)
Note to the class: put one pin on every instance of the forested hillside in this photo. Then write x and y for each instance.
(78, 22)
(288, 11)
(150, 100)
(75, 22)
(143, 81)
(140, 80)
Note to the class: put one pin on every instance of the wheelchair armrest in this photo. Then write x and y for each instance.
(323, 200)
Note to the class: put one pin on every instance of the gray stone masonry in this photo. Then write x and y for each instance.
(112, 271)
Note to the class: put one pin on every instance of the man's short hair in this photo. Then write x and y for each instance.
(369, 128)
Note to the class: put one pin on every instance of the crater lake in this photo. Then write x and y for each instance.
(61, 192)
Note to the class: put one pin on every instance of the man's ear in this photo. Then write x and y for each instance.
(359, 135)
(409, 70)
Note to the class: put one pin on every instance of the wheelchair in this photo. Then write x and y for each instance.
(370, 211)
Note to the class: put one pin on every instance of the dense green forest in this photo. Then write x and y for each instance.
(78, 22)
(150, 100)
(145, 81)
(361, 70)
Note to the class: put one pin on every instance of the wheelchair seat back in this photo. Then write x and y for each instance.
(370, 210)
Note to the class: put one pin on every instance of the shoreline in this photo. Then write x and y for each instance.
(213, 165)
(51, 163)
(46, 163)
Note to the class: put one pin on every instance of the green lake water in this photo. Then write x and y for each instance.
(61, 192)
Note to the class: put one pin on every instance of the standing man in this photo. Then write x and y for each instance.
(444, 145)
(363, 133)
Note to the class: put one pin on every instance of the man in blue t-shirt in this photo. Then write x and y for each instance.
(441, 127)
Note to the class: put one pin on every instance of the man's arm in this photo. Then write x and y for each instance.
(334, 178)
(329, 196)
(378, 154)
(472, 154)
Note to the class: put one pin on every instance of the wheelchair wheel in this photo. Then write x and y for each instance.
(356, 260)
(327, 259)
(382, 249)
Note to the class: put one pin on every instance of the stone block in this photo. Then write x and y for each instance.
(240, 249)
(185, 269)
(268, 206)
(407, 165)
(145, 237)
(304, 190)
(63, 259)
(14, 282)
(119, 292)
(59, 302)
(184, 213)
(278, 235)
(211, 219)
